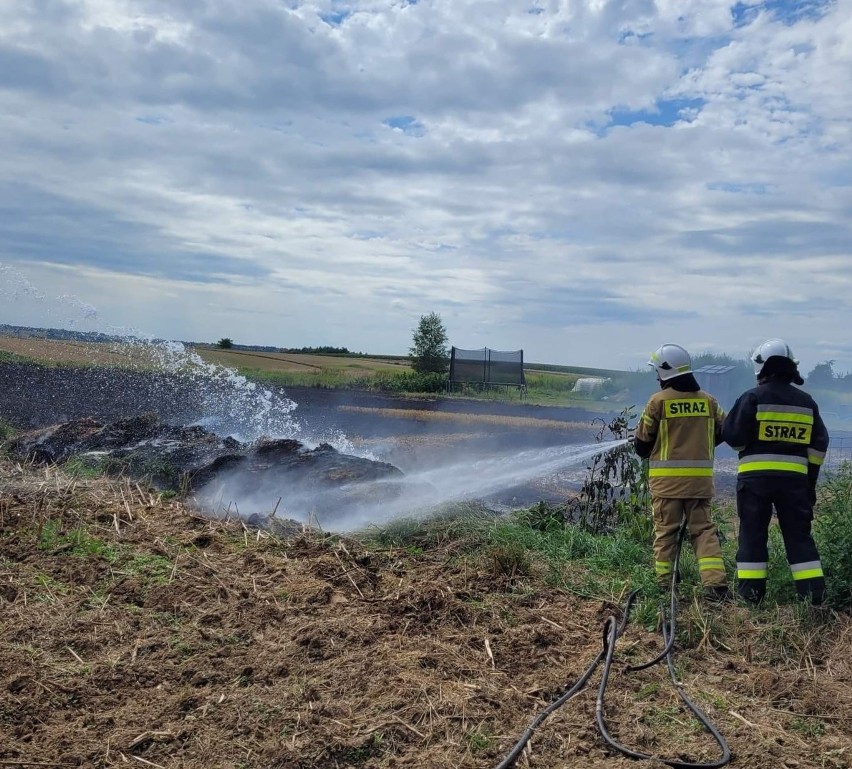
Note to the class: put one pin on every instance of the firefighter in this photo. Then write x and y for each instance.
(781, 440)
(678, 431)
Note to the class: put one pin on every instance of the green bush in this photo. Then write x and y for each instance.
(409, 381)
(833, 534)
(543, 516)
(615, 490)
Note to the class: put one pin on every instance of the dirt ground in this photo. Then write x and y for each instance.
(134, 632)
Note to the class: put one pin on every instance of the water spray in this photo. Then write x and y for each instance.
(228, 402)
(351, 506)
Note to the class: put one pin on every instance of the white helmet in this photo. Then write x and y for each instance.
(670, 360)
(771, 348)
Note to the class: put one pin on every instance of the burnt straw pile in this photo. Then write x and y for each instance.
(280, 478)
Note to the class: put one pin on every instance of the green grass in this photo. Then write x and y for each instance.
(577, 371)
(155, 569)
(11, 357)
(76, 542)
(6, 431)
(86, 466)
(573, 559)
(807, 727)
(49, 589)
(542, 388)
(833, 534)
(479, 740)
(609, 565)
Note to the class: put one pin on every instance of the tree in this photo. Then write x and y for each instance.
(225, 343)
(822, 375)
(429, 350)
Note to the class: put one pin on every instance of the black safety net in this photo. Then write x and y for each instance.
(487, 367)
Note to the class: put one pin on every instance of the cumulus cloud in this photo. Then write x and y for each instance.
(581, 179)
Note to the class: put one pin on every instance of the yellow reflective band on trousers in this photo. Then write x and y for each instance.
(746, 570)
(663, 567)
(680, 468)
(711, 564)
(807, 570)
(782, 462)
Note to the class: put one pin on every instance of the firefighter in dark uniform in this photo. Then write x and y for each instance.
(678, 432)
(781, 440)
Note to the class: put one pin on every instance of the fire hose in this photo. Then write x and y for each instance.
(611, 632)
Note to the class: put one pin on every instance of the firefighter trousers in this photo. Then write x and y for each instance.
(668, 515)
(791, 499)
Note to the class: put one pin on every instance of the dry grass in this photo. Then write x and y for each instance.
(421, 415)
(295, 362)
(137, 632)
(137, 355)
(82, 353)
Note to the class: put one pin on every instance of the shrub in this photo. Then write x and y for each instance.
(833, 534)
(409, 381)
(615, 491)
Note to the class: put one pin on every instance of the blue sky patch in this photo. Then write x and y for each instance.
(744, 14)
(788, 12)
(407, 124)
(793, 11)
(335, 18)
(667, 112)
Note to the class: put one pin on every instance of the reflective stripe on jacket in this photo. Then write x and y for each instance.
(777, 430)
(684, 428)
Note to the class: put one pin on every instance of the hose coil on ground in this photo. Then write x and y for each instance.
(611, 632)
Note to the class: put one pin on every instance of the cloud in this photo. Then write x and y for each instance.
(583, 180)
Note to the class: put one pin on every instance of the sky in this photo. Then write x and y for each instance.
(581, 180)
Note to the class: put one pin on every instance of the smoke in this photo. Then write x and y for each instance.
(352, 506)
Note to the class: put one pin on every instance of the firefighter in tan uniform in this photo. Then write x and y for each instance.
(678, 432)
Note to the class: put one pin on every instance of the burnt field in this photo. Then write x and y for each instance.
(32, 395)
(411, 433)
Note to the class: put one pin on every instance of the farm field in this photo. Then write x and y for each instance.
(51, 351)
(138, 632)
(118, 354)
(300, 362)
(545, 384)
